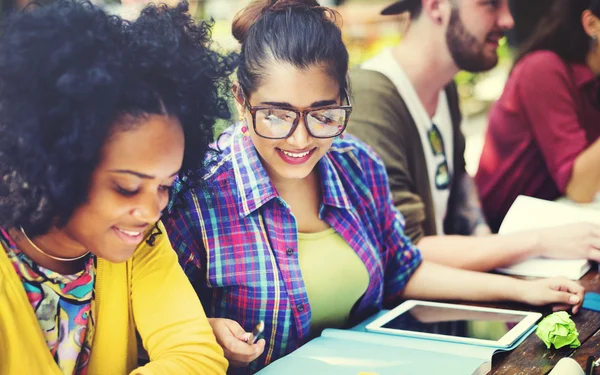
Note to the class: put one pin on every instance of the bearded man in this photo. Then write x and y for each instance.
(406, 108)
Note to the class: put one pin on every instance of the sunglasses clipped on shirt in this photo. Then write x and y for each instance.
(273, 122)
(442, 173)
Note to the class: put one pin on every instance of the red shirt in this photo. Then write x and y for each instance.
(543, 120)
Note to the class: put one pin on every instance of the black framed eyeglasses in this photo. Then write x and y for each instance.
(281, 122)
(442, 173)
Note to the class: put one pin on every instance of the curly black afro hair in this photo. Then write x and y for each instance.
(69, 71)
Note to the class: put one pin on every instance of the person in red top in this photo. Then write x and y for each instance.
(542, 138)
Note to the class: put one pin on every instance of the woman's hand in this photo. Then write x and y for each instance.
(573, 241)
(562, 293)
(233, 339)
(435, 282)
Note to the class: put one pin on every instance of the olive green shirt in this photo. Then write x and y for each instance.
(382, 120)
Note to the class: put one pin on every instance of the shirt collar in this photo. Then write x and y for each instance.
(334, 192)
(254, 185)
(252, 180)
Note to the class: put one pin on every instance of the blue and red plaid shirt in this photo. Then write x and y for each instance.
(237, 240)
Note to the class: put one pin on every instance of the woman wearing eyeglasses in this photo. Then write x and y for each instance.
(293, 224)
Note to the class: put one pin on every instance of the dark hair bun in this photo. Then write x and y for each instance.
(248, 16)
(297, 32)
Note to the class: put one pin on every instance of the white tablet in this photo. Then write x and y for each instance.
(456, 323)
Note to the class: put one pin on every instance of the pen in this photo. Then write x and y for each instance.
(258, 329)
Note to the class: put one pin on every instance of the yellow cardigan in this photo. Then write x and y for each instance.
(148, 293)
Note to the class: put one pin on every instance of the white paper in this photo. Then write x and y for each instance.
(532, 213)
(567, 366)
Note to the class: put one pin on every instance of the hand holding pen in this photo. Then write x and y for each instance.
(258, 329)
(240, 347)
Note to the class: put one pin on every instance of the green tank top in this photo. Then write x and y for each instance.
(334, 275)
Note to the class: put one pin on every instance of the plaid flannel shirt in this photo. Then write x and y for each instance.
(237, 240)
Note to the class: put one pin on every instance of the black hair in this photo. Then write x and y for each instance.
(297, 32)
(561, 31)
(69, 72)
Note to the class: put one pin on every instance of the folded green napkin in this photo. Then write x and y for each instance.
(559, 330)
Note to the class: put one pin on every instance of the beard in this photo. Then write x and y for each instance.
(467, 52)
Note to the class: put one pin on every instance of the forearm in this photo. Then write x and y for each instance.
(585, 177)
(479, 253)
(437, 282)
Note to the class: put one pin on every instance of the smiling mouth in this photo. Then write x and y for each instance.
(494, 38)
(129, 233)
(129, 237)
(296, 155)
(296, 158)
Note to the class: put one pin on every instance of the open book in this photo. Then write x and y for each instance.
(531, 213)
(357, 351)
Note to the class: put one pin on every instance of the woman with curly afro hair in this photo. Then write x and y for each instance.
(98, 116)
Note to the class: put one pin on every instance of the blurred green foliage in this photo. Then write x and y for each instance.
(359, 52)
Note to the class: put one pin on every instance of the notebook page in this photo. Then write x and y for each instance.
(532, 213)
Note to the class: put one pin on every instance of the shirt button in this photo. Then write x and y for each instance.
(289, 251)
(300, 308)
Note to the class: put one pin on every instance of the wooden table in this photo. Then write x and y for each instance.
(532, 357)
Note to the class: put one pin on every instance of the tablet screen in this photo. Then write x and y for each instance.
(455, 322)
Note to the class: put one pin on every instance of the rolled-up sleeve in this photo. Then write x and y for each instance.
(403, 256)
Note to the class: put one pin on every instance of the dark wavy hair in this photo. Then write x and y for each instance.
(297, 32)
(69, 72)
(560, 31)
